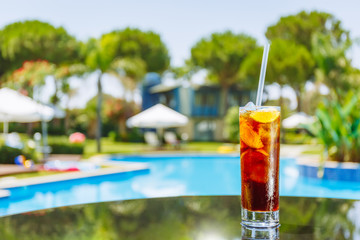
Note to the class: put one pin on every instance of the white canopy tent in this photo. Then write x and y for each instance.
(297, 119)
(159, 117)
(15, 107)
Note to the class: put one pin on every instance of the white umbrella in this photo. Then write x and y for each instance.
(296, 120)
(158, 116)
(15, 107)
(58, 112)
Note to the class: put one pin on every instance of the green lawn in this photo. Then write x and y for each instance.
(313, 150)
(292, 137)
(34, 174)
(111, 147)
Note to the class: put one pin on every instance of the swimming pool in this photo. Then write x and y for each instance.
(167, 176)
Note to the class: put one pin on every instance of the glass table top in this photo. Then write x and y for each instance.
(183, 218)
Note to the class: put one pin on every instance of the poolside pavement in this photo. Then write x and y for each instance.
(4, 193)
(8, 169)
(120, 168)
(107, 169)
(292, 151)
(11, 169)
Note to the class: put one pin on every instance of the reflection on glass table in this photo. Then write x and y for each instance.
(250, 233)
(192, 217)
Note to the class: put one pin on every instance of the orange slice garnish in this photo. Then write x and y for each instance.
(249, 136)
(263, 152)
(265, 116)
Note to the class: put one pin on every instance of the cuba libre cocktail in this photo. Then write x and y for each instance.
(259, 156)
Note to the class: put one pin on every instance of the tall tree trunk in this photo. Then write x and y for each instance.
(55, 99)
(122, 128)
(70, 93)
(30, 125)
(67, 115)
(67, 121)
(224, 100)
(298, 99)
(98, 113)
(29, 129)
(281, 103)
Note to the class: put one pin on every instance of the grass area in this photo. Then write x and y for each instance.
(111, 147)
(292, 137)
(313, 150)
(58, 139)
(203, 146)
(34, 174)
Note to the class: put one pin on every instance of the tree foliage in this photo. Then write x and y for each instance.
(222, 54)
(29, 75)
(232, 124)
(180, 218)
(147, 46)
(327, 41)
(130, 70)
(334, 66)
(33, 40)
(49, 49)
(289, 64)
(4, 66)
(62, 74)
(301, 27)
(128, 54)
(128, 43)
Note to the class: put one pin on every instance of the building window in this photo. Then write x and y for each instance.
(204, 130)
(211, 100)
(198, 97)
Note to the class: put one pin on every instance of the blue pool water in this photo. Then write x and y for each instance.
(168, 176)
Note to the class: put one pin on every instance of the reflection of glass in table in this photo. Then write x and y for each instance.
(251, 233)
(199, 217)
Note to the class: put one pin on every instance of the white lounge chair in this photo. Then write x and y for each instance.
(170, 138)
(152, 139)
(13, 140)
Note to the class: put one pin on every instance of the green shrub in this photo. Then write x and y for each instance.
(232, 124)
(8, 154)
(61, 145)
(53, 130)
(133, 135)
(67, 148)
(114, 136)
(338, 128)
(297, 136)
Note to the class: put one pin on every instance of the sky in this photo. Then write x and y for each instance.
(180, 23)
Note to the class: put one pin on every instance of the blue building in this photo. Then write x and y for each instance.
(201, 103)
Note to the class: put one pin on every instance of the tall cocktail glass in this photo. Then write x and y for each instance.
(259, 156)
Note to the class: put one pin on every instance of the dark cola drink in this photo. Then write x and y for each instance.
(259, 156)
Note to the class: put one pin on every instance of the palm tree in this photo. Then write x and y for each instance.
(127, 54)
